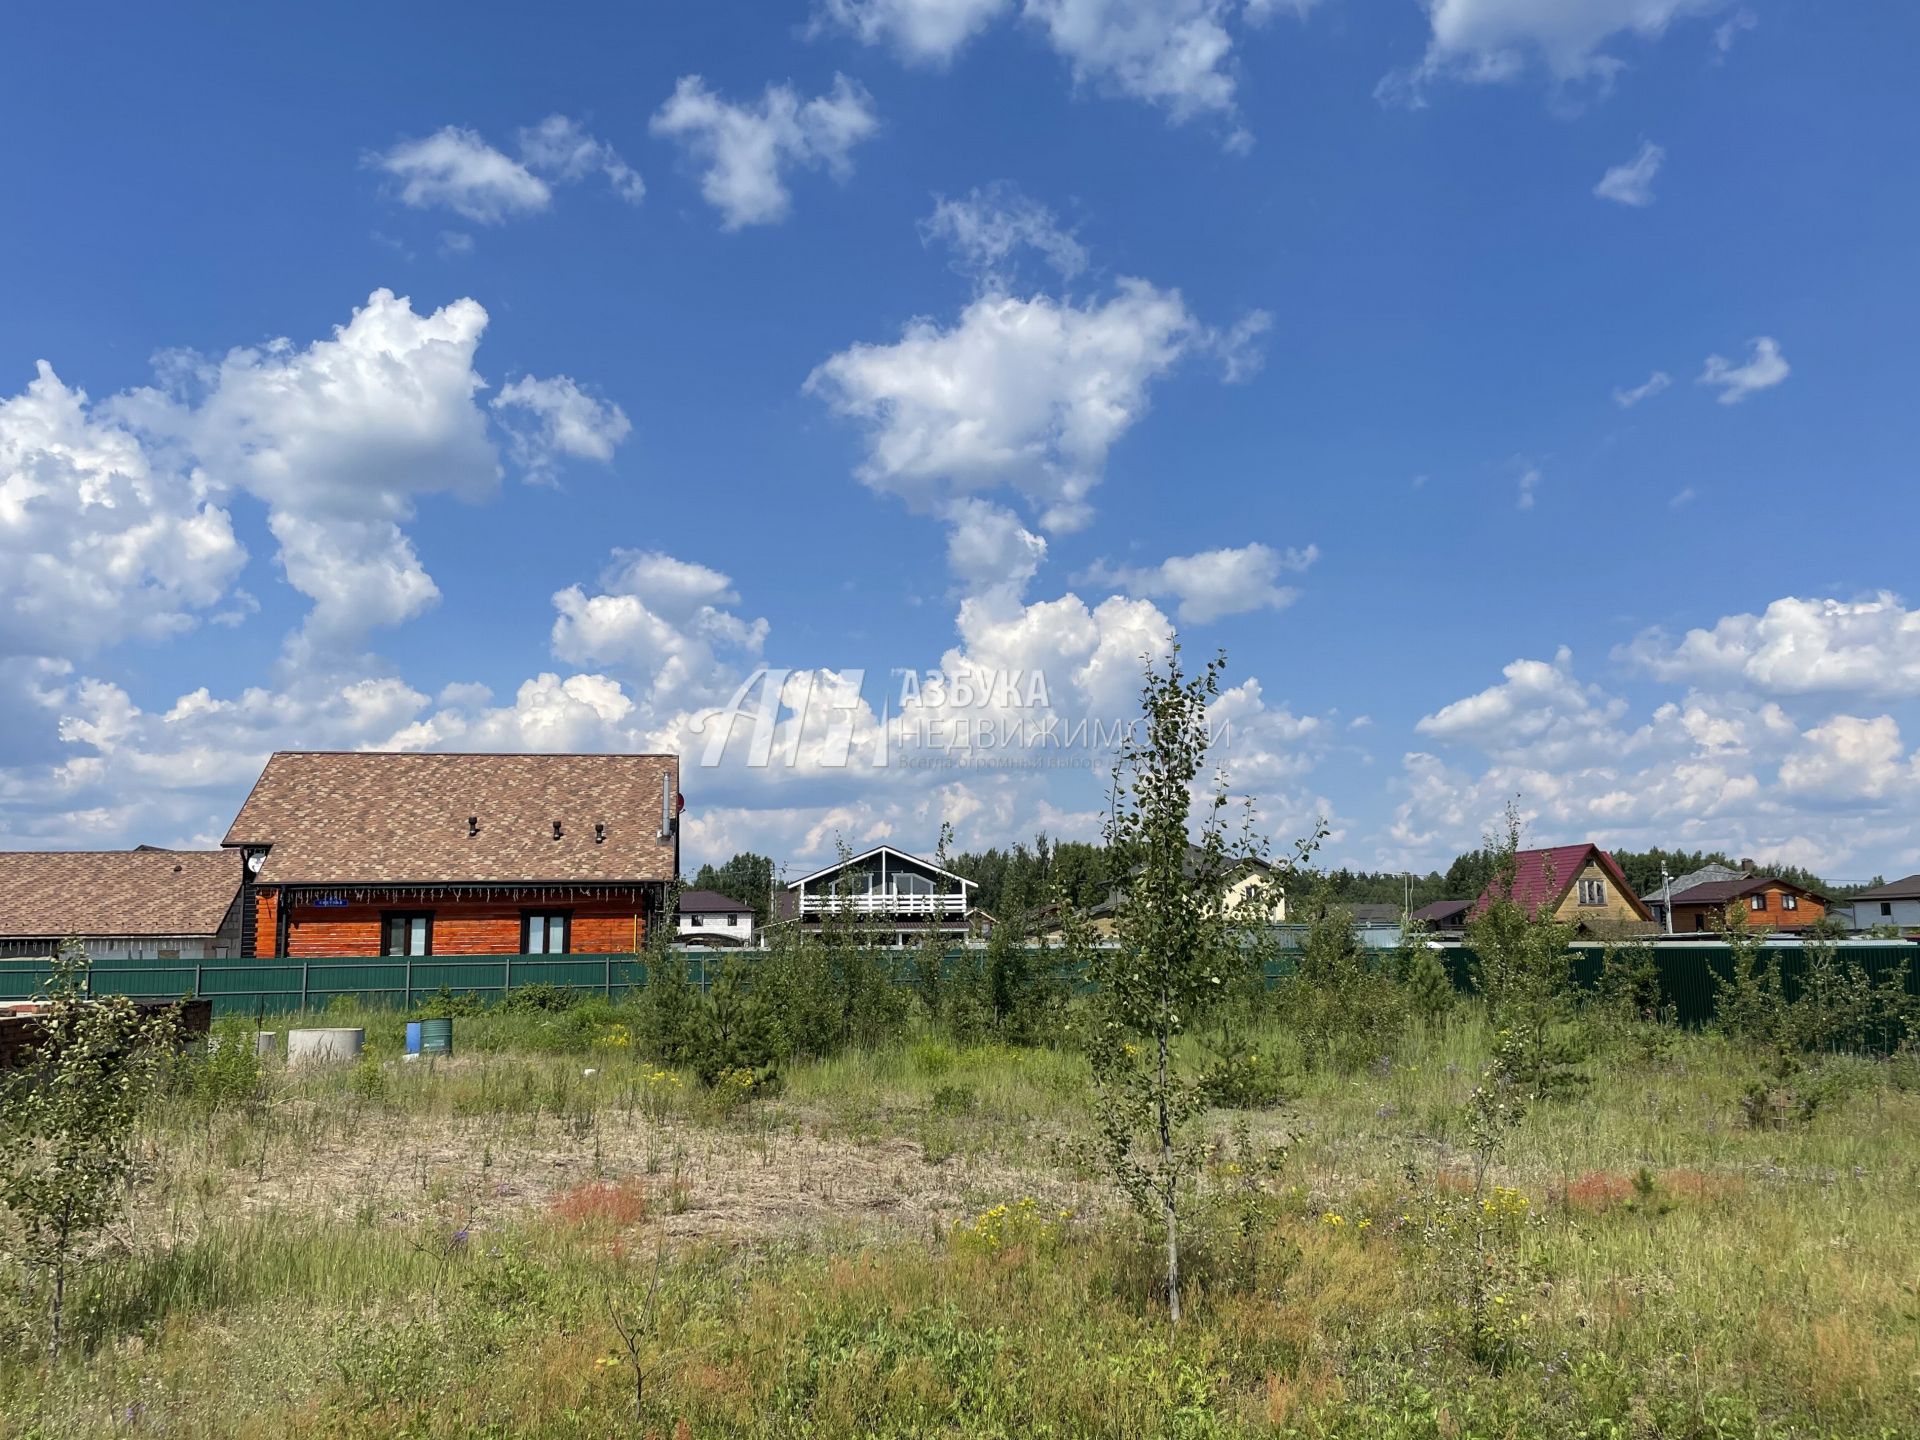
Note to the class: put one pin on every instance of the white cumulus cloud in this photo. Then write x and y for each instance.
(457, 169)
(1852, 758)
(340, 439)
(927, 32)
(1171, 53)
(988, 549)
(1539, 707)
(562, 150)
(1646, 390)
(1764, 368)
(1631, 182)
(550, 418)
(748, 148)
(988, 228)
(1027, 393)
(666, 622)
(1796, 646)
(1495, 40)
(1213, 583)
(1177, 55)
(100, 541)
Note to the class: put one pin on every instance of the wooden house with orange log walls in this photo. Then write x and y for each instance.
(369, 853)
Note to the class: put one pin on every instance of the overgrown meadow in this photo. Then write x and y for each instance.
(856, 1208)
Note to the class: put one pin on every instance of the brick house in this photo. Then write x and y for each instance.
(372, 853)
(1770, 902)
(143, 904)
(1579, 885)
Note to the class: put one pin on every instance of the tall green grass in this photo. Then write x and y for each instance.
(1661, 1268)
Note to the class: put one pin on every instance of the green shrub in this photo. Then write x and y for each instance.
(444, 1004)
(668, 1008)
(227, 1072)
(1347, 1008)
(539, 998)
(733, 1034)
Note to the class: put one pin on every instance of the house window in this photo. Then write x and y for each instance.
(1758, 902)
(1789, 902)
(1886, 907)
(408, 934)
(912, 885)
(697, 921)
(733, 921)
(1593, 892)
(543, 932)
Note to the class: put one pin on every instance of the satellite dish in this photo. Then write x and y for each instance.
(255, 861)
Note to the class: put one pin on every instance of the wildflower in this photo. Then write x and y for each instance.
(1335, 1220)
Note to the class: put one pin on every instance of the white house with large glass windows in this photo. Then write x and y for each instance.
(900, 895)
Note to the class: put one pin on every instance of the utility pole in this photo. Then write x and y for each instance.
(1666, 895)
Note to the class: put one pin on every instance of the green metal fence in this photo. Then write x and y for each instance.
(252, 987)
(1687, 972)
(1691, 972)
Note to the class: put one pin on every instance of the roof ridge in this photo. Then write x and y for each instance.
(496, 754)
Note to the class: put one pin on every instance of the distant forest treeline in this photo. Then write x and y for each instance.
(1023, 877)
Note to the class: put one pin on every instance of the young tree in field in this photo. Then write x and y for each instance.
(1525, 971)
(1179, 938)
(67, 1120)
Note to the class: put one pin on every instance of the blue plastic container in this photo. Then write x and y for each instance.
(413, 1037)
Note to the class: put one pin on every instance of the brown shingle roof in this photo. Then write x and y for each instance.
(1718, 892)
(1904, 889)
(711, 902)
(56, 893)
(377, 818)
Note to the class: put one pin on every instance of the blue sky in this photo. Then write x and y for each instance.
(443, 376)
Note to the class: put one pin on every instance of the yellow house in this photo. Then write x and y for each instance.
(1248, 881)
(1578, 885)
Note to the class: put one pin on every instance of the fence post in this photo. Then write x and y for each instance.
(303, 983)
(608, 961)
(506, 988)
(408, 1001)
(198, 981)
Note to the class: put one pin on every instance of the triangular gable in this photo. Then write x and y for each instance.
(852, 860)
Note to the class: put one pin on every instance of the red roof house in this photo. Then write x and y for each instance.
(1576, 884)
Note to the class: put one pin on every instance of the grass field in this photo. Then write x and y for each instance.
(550, 1235)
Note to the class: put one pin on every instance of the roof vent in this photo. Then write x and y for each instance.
(599, 832)
(473, 825)
(176, 869)
(556, 829)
